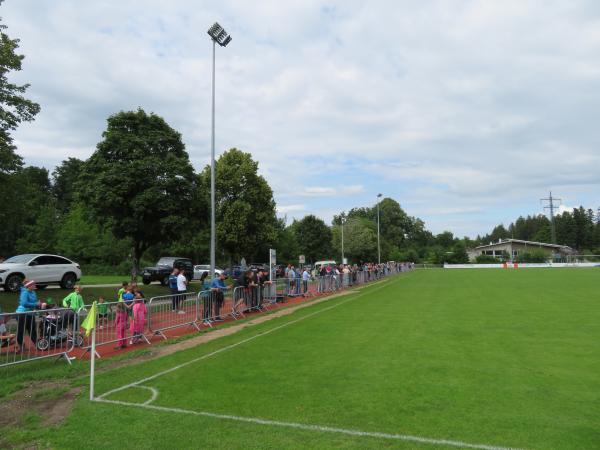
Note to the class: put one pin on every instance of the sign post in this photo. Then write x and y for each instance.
(301, 259)
(272, 262)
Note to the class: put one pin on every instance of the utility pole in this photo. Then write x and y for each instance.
(551, 207)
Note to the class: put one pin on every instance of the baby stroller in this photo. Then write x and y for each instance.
(54, 334)
(6, 339)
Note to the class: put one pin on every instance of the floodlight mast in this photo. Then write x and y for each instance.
(378, 242)
(219, 36)
(342, 218)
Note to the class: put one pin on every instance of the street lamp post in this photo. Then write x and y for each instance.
(342, 216)
(378, 240)
(221, 37)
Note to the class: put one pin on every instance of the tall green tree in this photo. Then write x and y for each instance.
(30, 202)
(287, 245)
(313, 237)
(139, 182)
(360, 240)
(83, 239)
(245, 208)
(14, 107)
(394, 222)
(65, 179)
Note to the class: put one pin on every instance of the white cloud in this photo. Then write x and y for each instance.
(284, 209)
(563, 208)
(324, 191)
(467, 113)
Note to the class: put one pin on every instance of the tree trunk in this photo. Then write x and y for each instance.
(136, 254)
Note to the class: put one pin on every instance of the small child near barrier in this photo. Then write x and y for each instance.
(123, 289)
(127, 300)
(5, 338)
(102, 312)
(121, 325)
(139, 319)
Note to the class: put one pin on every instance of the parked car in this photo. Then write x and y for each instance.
(320, 264)
(235, 271)
(44, 269)
(258, 266)
(164, 267)
(201, 269)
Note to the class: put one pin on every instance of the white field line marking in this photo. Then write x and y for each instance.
(308, 427)
(229, 347)
(152, 390)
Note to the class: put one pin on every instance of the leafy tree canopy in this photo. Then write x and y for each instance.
(14, 107)
(139, 181)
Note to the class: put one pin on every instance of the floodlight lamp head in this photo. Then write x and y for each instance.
(214, 31)
(219, 35)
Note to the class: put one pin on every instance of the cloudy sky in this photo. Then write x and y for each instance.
(466, 112)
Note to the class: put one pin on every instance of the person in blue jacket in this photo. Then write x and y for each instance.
(28, 302)
(217, 286)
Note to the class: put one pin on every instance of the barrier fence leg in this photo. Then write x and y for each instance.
(65, 355)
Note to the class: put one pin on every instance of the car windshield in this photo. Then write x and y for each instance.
(19, 259)
(166, 262)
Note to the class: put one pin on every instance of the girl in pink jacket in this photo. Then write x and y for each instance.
(139, 319)
(121, 325)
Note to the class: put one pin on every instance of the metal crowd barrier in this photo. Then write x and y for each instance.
(55, 333)
(214, 305)
(246, 299)
(40, 334)
(109, 330)
(269, 294)
(167, 312)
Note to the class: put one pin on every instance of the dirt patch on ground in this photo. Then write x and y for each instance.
(51, 401)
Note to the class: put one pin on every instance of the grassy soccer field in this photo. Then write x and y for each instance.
(489, 358)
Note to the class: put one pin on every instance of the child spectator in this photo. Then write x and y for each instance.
(121, 291)
(5, 337)
(121, 325)
(127, 299)
(102, 312)
(139, 319)
(74, 301)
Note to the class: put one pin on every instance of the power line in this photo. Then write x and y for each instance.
(551, 206)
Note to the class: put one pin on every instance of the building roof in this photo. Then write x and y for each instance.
(519, 241)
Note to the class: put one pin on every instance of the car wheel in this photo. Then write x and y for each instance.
(146, 281)
(42, 344)
(68, 281)
(165, 281)
(13, 283)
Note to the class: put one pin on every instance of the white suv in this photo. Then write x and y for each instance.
(201, 269)
(44, 269)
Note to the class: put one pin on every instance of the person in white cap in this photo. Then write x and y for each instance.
(28, 302)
